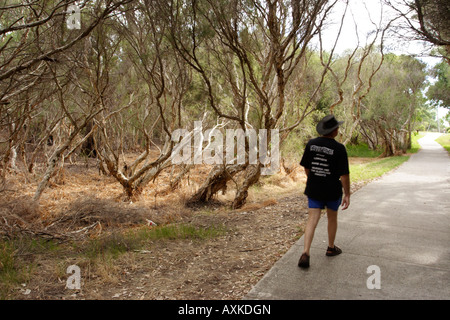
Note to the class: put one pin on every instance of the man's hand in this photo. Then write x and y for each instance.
(345, 179)
(345, 202)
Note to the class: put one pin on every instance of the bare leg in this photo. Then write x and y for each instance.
(332, 226)
(313, 219)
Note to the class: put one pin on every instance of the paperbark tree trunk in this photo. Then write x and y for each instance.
(252, 176)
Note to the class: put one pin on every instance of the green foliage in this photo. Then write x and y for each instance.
(439, 91)
(292, 147)
(425, 118)
(396, 88)
(394, 101)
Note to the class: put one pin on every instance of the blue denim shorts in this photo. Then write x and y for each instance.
(318, 204)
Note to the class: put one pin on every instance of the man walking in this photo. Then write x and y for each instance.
(326, 164)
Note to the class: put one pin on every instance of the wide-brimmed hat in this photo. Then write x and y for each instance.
(327, 125)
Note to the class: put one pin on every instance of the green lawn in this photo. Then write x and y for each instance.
(444, 141)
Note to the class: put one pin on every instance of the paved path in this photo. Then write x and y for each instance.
(399, 223)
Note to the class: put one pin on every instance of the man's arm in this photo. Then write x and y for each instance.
(345, 179)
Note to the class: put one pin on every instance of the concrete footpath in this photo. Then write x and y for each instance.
(395, 239)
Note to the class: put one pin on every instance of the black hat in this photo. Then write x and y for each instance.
(327, 125)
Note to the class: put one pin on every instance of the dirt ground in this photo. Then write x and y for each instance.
(221, 267)
(224, 267)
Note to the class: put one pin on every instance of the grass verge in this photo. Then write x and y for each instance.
(375, 169)
(415, 146)
(369, 170)
(444, 141)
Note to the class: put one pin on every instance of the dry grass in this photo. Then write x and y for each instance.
(18, 214)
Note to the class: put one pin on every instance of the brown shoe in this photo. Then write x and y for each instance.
(333, 251)
(304, 261)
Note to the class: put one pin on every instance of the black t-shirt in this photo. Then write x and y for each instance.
(327, 161)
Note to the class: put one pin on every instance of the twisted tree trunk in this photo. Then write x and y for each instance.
(216, 181)
(252, 176)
